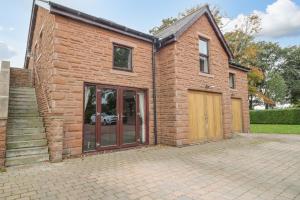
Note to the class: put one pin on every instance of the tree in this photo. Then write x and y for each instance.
(171, 20)
(290, 70)
(268, 58)
(275, 88)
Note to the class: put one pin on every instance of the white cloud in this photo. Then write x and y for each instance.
(6, 52)
(1, 28)
(280, 19)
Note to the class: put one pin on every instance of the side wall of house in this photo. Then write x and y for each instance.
(41, 60)
(84, 53)
(188, 76)
(241, 92)
(165, 76)
(43, 73)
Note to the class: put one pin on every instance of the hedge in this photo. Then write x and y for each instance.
(280, 116)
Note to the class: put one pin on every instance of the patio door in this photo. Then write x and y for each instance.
(120, 118)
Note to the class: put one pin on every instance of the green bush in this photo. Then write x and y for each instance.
(280, 116)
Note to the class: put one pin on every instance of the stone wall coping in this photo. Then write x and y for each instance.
(4, 88)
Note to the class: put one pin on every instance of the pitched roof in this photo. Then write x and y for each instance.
(180, 24)
(160, 39)
(173, 32)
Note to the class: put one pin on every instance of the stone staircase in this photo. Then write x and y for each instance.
(26, 139)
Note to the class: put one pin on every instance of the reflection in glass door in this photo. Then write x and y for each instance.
(89, 127)
(114, 117)
(129, 117)
(109, 117)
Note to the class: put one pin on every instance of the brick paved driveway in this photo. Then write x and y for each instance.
(245, 167)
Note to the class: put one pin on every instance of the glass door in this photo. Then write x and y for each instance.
(114, 117)
(108, 117)
(129, 117)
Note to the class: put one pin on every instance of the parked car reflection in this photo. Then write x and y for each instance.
(106, 118)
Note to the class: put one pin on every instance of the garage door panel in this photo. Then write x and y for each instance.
(237, 126)
(205, 116)
(210, 117)
(218, 116)
(196, 117)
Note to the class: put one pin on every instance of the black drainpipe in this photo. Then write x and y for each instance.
(154, 89)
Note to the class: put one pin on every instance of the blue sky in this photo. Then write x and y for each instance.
(142, 15)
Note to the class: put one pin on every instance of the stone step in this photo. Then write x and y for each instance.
(26, 144)
(17, 92)
(23, 114)
(24, 119)
(23, 111)
(25, 125)
(23, 160)
(25, 137)
(24, 107)
(21, 131)
(26, 151)
(16, 100)
(21, 89)
(22, 97)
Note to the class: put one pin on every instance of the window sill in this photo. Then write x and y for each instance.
(123, 72)
(206, 75)
(233, 89)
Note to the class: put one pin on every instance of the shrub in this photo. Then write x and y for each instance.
(282, 116)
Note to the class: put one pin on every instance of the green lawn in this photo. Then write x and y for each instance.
(275, 128)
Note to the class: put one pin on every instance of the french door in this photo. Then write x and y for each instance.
(118, 117)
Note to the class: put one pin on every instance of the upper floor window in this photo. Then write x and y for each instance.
(231, 80)
(122, 57)
(203, 52)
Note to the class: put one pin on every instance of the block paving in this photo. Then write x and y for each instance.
(244, 167)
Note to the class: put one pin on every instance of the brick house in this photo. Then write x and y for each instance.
(101, 86)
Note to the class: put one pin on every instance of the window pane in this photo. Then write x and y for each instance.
(203, 48)
(122, 57)
(142, 118)
(231, 80)
(89, 118)
(129, 116)
(108, 117)
(203, 64)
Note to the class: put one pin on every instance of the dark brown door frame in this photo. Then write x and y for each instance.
(119, 110)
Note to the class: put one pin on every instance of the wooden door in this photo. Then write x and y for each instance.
(205, 116)
(197, 116)
(214, 116)
(237, 122)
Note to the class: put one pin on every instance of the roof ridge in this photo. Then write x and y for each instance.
(182, 18)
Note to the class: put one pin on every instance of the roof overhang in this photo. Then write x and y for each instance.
(239, 67)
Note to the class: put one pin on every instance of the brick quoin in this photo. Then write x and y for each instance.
(69, 53)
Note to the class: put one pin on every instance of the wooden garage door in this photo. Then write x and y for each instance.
(237, 126)
(205, 116)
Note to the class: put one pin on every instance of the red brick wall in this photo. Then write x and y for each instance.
(183, 71)
(3, 125)
(83, 53)
(241, 91)
(41, 64)
(166, 112)
(20, 77)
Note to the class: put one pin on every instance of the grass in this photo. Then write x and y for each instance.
(275, 128)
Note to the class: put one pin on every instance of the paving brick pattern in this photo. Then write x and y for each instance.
(245, 167)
